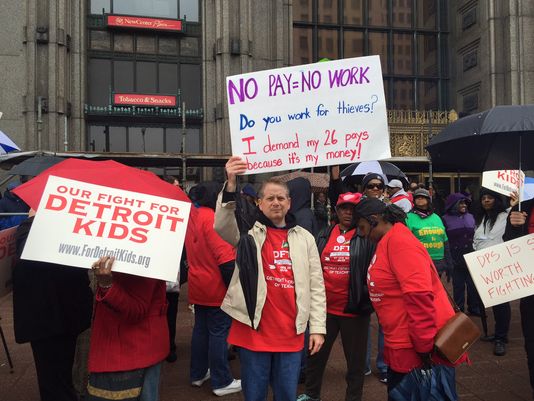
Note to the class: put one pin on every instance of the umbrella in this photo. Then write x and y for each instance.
(528, 189)
(436, 384)
(107, 173)
(246, 257)
(319, 181)
(490, 140)
(35, 165)
(355, 172)
(6, 144)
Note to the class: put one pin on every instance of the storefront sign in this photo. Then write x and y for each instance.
(132, 99)
(503, 272)
(144, 233)
(159, 24)
(309, 115)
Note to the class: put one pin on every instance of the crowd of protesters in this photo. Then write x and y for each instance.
(278, 280)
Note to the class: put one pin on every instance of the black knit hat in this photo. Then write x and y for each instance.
(371, 176)
(370, 206)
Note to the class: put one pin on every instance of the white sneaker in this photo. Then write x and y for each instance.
(199, 383)
(368, 372)
(234, 387)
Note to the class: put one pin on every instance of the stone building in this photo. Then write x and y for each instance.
(114, 75)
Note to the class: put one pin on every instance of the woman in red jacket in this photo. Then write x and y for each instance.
(407, 294)
(211, 264)
(129, 337)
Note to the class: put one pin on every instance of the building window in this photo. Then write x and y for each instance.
(189, 10)
(410, 36)
(142, 139)
(99, 80)
(152, 8)
(107, 76)
(182, 9)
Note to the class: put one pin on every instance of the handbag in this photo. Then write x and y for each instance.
(456, 336)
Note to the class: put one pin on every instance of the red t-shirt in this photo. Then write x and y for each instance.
(335, 260)
(402, 265)
(277, 330)
(531, 224)
(206, 250)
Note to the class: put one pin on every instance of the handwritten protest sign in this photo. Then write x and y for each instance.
(309, 115)
(503, 272)
(145, 233)
(503, 181)
(7, 259)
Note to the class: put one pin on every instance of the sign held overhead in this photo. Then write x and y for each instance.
(309, 115)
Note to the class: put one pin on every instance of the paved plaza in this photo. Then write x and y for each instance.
(489, 378)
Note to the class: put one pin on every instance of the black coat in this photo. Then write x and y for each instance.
(512, 232)
(48, 299)
(300, 193)
(361, 252)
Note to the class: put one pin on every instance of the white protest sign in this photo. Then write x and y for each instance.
(7, 259)
(309, 115)
(77, 223)
(503, 181)
(503, 272)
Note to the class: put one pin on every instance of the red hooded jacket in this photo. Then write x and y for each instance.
(206, 250)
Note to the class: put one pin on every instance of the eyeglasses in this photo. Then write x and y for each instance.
(375, 186)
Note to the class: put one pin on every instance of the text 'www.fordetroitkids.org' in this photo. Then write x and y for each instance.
(121, 255)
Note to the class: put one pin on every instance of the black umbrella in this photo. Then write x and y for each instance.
(491, 140)
(246, 254)
(35, 165)
(355, 172)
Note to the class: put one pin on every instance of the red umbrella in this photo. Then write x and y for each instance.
(107, 173)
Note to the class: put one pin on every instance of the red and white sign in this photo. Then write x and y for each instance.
(160, 24)
(7, 259)
(503, 272)
(144, 233)
(144, 100)
(503, 181)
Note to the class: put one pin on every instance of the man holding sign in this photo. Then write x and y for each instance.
(289, 293)
(522, 223)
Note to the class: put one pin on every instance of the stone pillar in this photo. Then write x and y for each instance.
(238, 37)
(53, 66)
(492, 60)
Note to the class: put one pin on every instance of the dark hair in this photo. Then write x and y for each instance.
(498, 207)
(371, 206)
(169, 178)
(394, 214)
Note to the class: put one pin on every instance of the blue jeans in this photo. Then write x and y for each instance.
(208, 346)
(380, 364)
(280, 369)
(150, 391)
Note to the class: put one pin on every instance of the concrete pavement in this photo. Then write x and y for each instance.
(489, 378)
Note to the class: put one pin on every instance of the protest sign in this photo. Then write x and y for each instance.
(503, 272)
(7, 259)
(77, 223)
(309, 115)
(503, 181)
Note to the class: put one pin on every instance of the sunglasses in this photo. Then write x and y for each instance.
(375, 186)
